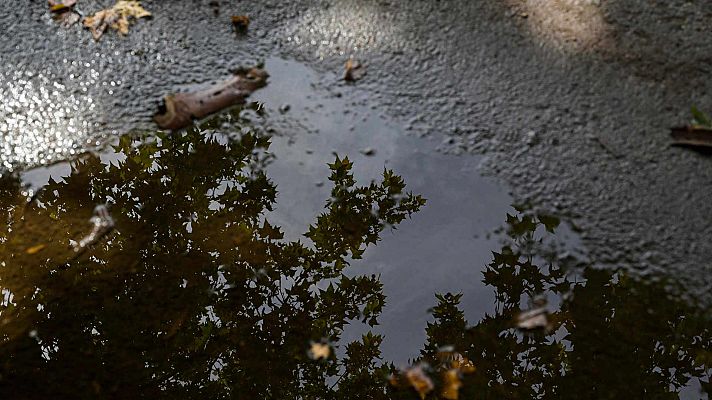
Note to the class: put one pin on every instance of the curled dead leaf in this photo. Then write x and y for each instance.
(354, 70)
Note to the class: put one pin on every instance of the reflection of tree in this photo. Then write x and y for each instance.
(612, 336)
(195, 295)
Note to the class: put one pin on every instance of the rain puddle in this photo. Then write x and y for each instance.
(222, 263)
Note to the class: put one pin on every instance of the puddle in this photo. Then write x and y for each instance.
(441, 250)
(192, 294)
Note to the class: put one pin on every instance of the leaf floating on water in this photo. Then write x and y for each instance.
(451, 384)
(35, 249)
(117, 18)
(319, 351)
(419, 381)
(533, 319)
(354, 70)
(102, 224)
(414, 377)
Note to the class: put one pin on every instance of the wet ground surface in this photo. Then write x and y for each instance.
(571, 121)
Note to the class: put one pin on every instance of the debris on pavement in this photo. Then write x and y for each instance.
(215, 5)
(117, 18)
(354, 70)
(181, 109)
(240, 23)
(368, 151)
(102, 224)
(58, 6)
(63, 12)
(698, 133)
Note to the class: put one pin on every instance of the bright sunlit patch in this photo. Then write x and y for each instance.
(39, 120)
(576, 25)
(350, 28)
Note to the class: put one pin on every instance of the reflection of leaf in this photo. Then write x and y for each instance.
(117, 18)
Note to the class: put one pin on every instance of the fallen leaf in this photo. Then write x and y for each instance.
(240, 22)
(354, 70)
(63, 12)
(462, 364)
(419, 381)
(117, 18)
(319, 351)
(35, 249)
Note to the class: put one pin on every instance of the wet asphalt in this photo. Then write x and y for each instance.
(569, 104)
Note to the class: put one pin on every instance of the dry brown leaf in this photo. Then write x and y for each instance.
(353, 70)
(240, 22)
(117, 18)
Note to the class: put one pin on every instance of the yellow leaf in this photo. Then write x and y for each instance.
(419, 380)
(35, 249)
(116, 18)
(319, 351)
(451, 384)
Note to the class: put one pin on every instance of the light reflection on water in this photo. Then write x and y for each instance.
(40, 120)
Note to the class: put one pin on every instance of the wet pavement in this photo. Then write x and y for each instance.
(571, 121)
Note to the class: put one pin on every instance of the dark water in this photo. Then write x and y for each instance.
(190, 293)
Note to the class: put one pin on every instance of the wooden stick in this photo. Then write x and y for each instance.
(692, 136)
(181, 109)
